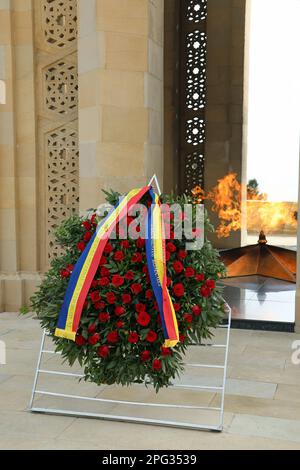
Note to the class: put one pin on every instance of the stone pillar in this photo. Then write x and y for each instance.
(120, 95)
(18, 195)
(225, 92)
(297, 313)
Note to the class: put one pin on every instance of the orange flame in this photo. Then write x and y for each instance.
(261, 214)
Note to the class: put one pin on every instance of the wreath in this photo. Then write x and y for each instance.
(120, 337)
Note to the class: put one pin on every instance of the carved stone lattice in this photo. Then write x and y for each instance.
(197, 10)
(195, 131)
(61, 87)
(57, 96)
(62, 179)
(193, 92)
(196, 71)
(194, 170)
(59, 22)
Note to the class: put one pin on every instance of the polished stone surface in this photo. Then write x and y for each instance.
(262, 407)
(260, 299)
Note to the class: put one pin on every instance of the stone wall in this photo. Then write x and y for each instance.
(18, 163)
(120, 95)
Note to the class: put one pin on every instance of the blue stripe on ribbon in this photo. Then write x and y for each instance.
(157, 288)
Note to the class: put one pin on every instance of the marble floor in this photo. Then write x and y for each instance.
(260, 299)
(262, 407)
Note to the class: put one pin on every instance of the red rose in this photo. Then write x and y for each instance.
(140, 243)
(94, 283)
(117, 280)
(104, 281)
(129, 275)
(85, 304)
(156, 365)
(111, 298)
(87, 236)
(178, 267)
(64, 273)
(70, 267)
(99, 305)
(125, 244)
(140, 307)
(136, 288)
(80, 246)
(93, 219)
(118, 256)
(200, 277)
(95, 296)
(94, 339)
(181, 338)
(103, 351)
(104, 272)
(113, 337)
(189, 272)
(182, 254)
(143, 319)
(108, 248)
(119, 324)
(196, 310)
(104, 317)
(168, 256)
(158, 320)
(178, 290)
(151, 336)
(79, 340)
(171, 247)
(155, 305)
(205, 291)
(92, 328)
(133, 337)
(166, 352)
(145, 355)
(119, 311)
(177, 307)
(149, 294)
(188, 317)
(145, 270)
(137, 258)
(126, 298)
(87, 225)
(102, 261)
(211, 284)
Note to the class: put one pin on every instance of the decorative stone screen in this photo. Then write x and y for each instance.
(57, 108)
(192, 90)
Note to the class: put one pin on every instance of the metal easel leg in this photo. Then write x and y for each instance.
(38, 366)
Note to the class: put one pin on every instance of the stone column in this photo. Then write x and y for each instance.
(120, 95)
(297, 313)
(225, 92)
(18, 196)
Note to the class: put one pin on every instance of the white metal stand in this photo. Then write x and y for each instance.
(218, 426)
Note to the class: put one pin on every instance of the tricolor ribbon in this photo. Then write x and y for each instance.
(88, 263)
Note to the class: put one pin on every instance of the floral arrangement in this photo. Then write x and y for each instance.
(120, 337)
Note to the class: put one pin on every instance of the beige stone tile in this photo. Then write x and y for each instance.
(129, 125)
(289, 393)
(122, 24)
(32, 425)
(15, 443)
(275, 408)
(113, 158)
(274, 428)
(125, 9)
(90, 124)
(113, 86)
(5, 30)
